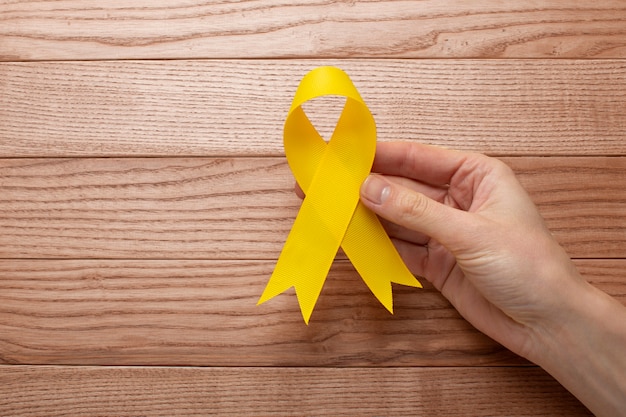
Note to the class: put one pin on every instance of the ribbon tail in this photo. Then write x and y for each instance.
(375, 258)
(275, 286)
(302, 265)
(307, 289)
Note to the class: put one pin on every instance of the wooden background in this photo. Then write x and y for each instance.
(144, 198)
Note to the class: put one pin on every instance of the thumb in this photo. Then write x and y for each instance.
(415, 211)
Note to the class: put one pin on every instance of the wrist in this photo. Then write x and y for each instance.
(582, 346)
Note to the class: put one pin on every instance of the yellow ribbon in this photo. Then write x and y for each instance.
(331, 215)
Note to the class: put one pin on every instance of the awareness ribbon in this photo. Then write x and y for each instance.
(331, 215)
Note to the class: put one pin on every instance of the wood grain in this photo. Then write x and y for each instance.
(42, 390)
(47, 30)
(237, 108)
(155, 312)
(204, 313)
(582, 199)
(144, 198)
(243, 208)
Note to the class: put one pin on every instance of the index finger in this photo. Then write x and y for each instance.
(429, 164)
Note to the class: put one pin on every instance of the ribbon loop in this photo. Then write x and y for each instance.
(331, 214)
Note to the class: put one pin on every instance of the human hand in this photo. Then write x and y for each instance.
(464, 222)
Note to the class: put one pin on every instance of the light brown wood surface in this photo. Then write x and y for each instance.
(203, 313)
(73, 29)
(164, 108)
(243, 208)
(144, 198)
(123, 391)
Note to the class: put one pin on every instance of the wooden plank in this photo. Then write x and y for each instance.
(30, 391)
(145, 208)
(154, 312)
(43, 390)
(586, 213)
(237, 108)
(243, 208)
(205, 313)
(47, 30)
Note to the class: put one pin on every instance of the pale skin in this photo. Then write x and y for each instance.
(464, 222)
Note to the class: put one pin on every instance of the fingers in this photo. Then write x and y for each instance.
(425, 163)
(402, 233)
(394, 230)
(434, 192)
(415, 211)
(432, 262)
(415, 256)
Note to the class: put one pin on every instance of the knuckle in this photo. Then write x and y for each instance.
(501, 168)
(413, 205)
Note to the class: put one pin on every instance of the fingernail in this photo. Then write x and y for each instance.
(375, 189)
